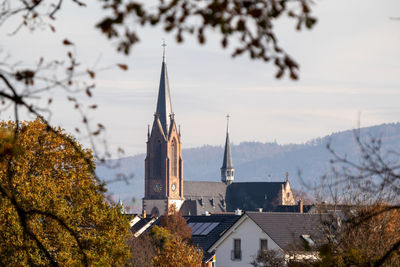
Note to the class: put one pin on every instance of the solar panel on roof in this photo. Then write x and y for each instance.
(203, 228)
(200, 229)
(194, 226)
(209, 228)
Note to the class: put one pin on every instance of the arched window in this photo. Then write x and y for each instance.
(174, 158)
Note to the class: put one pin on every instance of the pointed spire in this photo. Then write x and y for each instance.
(164, 107)
(227, 166)
(227, 163)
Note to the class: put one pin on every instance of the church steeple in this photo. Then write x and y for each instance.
(164, 106)
(163, 163)
(227, 169)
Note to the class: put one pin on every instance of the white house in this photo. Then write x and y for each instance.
(294, 234)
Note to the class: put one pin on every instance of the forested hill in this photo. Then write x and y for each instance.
(254, 161)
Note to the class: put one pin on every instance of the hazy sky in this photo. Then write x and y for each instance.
(350, 64)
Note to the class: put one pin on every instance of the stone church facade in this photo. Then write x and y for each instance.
(164, 183)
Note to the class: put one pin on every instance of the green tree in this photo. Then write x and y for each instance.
(53, 211)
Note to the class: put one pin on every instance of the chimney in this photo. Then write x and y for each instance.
(144, 213)
(238, 212)
(260, 209)
(301, 206)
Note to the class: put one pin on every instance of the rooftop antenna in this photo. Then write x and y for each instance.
(163, 45)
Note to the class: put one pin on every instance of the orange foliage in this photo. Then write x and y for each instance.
(51, 205)
(176, 224)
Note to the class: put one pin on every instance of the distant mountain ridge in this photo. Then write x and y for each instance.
(253, 161)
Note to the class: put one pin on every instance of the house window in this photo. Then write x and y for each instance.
(237, 251)
(263, 244)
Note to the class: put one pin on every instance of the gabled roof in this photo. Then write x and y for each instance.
(287, 229)
(164, 106)
(206, 241)
(203, 189)
(203, 196)
(251, 196)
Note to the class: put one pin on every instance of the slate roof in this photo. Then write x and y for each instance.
(251, 196)
(206, 241)
(203, 189)
(286, 228)
(203, 196)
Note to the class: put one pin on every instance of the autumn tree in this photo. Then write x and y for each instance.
(247, 24)
(174, 222)
(173, 251)
(363, 240)
(168, 244)
(53, 211)
(143, 250)
(365, 190)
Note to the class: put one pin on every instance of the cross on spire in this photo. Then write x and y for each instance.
(163, 45)
(227, 122)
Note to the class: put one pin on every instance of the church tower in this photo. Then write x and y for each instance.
(227, 169)
(163, 163)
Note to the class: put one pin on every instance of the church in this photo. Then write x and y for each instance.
(164, 178)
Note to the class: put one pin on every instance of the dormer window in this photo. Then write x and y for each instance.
(308, 240)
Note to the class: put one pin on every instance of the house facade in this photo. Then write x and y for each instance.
(241, 243)
(295, 235)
